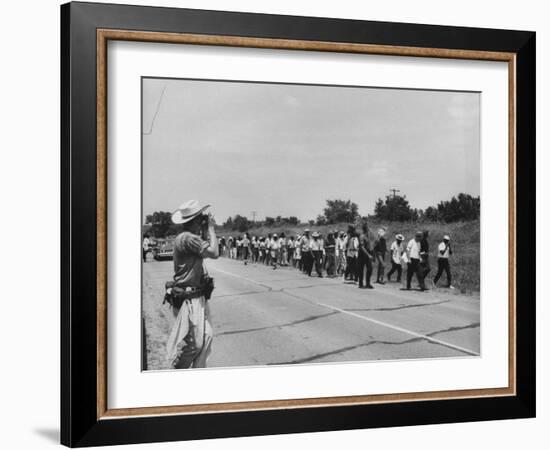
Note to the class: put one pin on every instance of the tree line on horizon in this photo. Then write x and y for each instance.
(394, 208)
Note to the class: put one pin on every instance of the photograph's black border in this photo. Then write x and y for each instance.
(79, 423)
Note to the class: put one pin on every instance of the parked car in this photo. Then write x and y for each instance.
(164, 249)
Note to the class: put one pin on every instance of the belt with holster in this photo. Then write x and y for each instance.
(176, 293)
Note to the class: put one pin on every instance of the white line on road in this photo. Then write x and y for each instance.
(359, 316)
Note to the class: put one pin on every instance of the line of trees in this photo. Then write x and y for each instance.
(463, 207)
(394, 208)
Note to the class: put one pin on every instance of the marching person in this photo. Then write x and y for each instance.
(230, 246)
(413, 266)
(396, 251)
(444, 251)
(305, 250)
(340, 254)
(239, 247)
(291, 246)
(352, 251)
(380, 250)
(275, 249)
(245, 242)
(424, 255)
(297, 258)
(262, 250)
(190, 339)
(364, 259)
(145, 247)
(268, 249)
(317, 250)
(330, 252)
(283, 250)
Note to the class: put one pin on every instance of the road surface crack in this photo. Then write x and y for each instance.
(451, 329)
(295, 322)
(376, 341)
(396, 308)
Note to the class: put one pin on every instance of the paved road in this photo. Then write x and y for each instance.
(264, 316)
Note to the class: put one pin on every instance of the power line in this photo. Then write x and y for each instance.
(156, 112)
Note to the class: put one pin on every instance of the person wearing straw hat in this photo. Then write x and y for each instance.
(396, 250)
(190, 339)
(444, 250)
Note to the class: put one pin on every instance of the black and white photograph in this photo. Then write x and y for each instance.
(301, 224)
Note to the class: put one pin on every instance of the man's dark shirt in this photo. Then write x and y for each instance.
(380, 246)
(364, 244)
(424, 246)
(330, 244)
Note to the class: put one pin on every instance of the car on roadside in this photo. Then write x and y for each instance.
(164, 249)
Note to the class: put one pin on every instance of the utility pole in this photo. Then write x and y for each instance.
(393, 190)
(392, 214)
(253, 216)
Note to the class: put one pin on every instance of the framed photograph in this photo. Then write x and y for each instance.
(277, 224)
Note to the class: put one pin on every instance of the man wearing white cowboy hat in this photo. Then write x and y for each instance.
(190, 339)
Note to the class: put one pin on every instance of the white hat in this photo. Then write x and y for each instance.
(399, 237)
(315, 234)
(446, 238)
(188, 211)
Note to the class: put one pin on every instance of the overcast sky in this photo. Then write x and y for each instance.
(284, 149)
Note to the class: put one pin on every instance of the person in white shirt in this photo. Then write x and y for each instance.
(239, 247)
(317, 248)
(413, 267)
(275, 247)
(297, 257)
(444, 250)
(340, 254)
(283, 250)
(262, 250)
(268, 249)
(352, 251)
(245, 244)
(396, 251)
(146, 247)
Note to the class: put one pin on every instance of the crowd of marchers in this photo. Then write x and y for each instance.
(347, 254)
